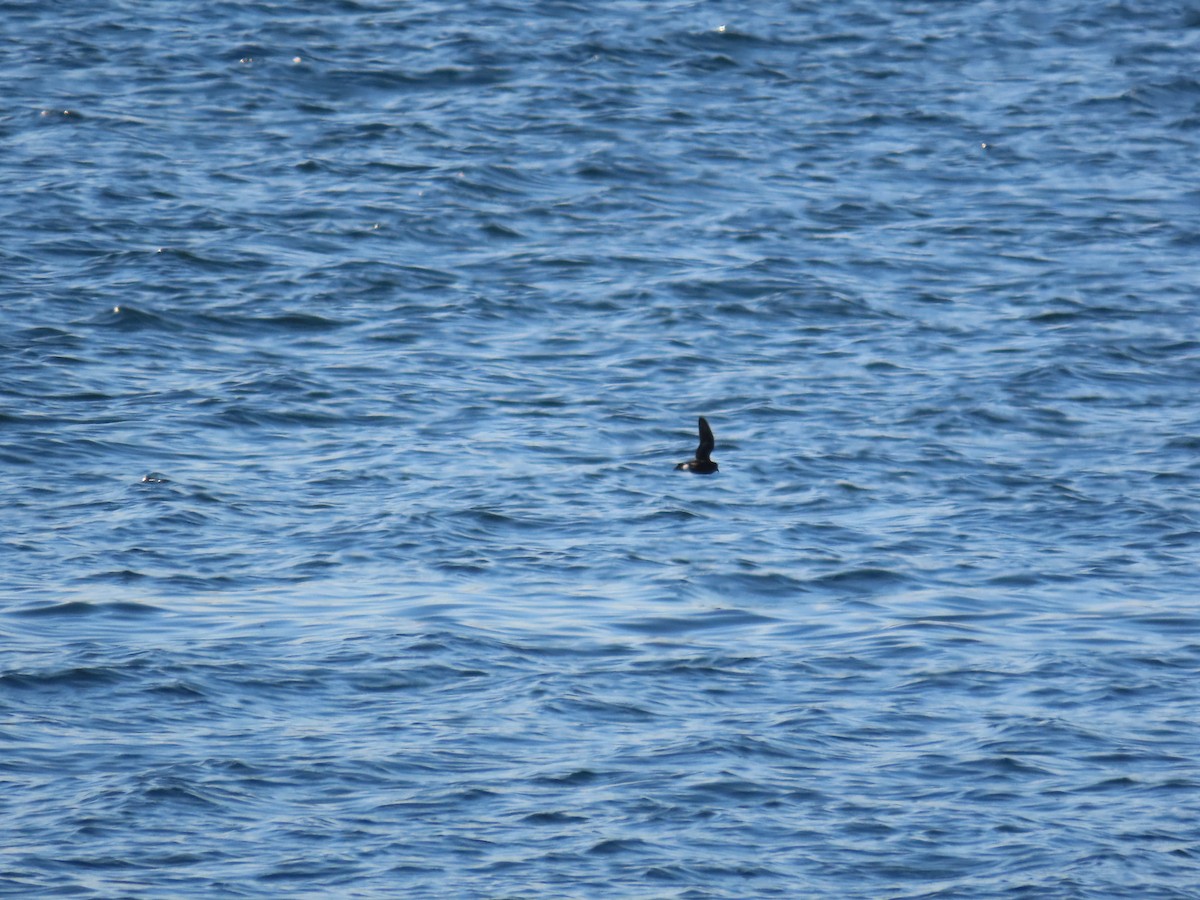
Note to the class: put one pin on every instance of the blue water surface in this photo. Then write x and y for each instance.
(346, 354)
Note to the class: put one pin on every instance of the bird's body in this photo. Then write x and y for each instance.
(702, 464)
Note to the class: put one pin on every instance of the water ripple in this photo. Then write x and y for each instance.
(347, 356)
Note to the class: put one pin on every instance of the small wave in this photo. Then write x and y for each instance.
(79, 677)
(554, 818)
(705, 621)
(131, 319)
(869, 579)
(70, 608)
(83, 608)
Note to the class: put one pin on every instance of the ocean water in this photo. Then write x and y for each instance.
(345, 358)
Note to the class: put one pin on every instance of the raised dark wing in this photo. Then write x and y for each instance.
(706, 440)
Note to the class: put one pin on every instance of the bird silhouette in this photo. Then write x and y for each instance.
(702, 464)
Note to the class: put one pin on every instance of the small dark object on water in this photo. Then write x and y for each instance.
(701, 465)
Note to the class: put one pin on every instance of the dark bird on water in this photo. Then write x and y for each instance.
(701, 465)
